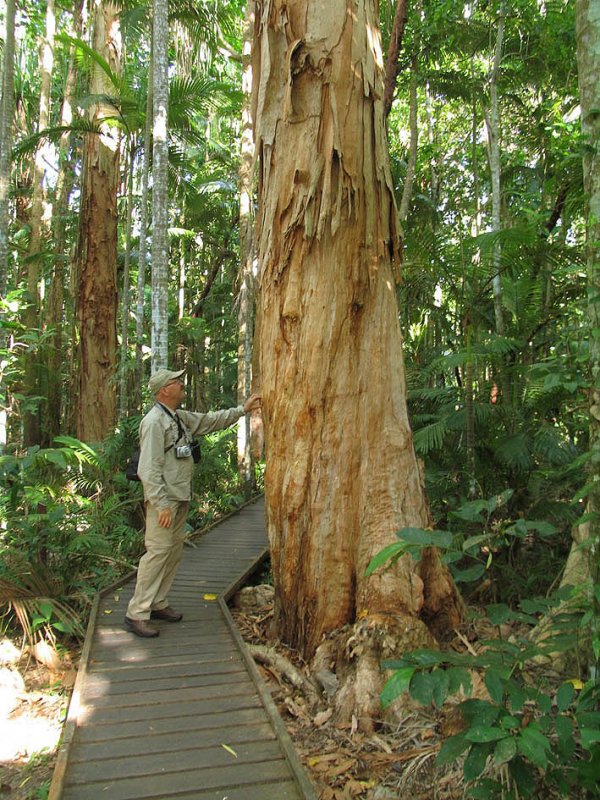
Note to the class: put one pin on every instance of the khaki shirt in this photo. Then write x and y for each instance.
(167, 480)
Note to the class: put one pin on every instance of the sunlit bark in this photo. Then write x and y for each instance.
(97, 247)
(341, 474)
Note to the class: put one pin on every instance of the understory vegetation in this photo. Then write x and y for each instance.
(497, 302)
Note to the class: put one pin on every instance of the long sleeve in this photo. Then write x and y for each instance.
(201, 424)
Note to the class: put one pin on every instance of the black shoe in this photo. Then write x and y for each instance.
(169, 614)
(141, 627)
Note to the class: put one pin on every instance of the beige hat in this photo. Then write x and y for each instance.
(161, 377)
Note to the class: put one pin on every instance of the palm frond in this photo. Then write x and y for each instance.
(431, 437)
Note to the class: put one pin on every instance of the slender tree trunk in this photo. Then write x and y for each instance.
(414, 144)
(588, 62)
(581, 569)
(97, 249)
(7, 110)
(341, 475)
(392, 66)
(56, 301)
(7, 107)
(142, 250)
(493, 128)
(126, 293)
(38, 240)
(160, 192)
(246, 293)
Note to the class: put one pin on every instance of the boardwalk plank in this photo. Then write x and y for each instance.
(184, 715)
(189, 784)
(174, 741)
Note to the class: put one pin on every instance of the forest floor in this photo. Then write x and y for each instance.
(33, 703)
(395, 763)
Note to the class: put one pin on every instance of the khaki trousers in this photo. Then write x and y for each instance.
(158, 566)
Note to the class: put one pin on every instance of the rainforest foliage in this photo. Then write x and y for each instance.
(495, 295)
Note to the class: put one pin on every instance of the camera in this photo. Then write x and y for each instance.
(183, 451)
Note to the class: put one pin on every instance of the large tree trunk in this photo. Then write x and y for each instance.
(97, 249)
(341, 475)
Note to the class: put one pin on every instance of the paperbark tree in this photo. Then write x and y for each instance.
(97, 246)
(341, 473)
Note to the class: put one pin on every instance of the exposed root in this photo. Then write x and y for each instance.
(270, 657)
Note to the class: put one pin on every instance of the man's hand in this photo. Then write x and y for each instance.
(252, 403)
(165, 517)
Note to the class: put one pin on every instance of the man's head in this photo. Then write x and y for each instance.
(167, 387)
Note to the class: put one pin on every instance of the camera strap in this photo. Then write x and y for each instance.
(175, 418)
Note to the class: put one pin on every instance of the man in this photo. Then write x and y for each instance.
(165, 469)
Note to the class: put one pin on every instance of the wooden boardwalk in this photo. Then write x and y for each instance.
(185, 715)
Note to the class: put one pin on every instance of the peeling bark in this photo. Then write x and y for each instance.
(341, 475)
(97, 251)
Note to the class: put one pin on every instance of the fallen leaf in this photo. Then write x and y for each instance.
(323, 717)
(229, 750)
(209, 596)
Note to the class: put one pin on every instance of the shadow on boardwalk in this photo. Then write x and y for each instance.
(185, 715)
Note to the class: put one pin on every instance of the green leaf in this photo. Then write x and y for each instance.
(46, 608)
(485, 789)
(422, 687)
(566, 740)
(56, 457)
(427, 658)
(498, 614)
(533, 745)
(564, 696)
(479, 712)
(457, 677)
(522, 775)
(390, 553)
(494, 682)
(452, 748)
(475, 541)
(398, 683)
(467, 575)
(471, 512)
(483, 733)
(425, 538)
(505, 750)
(589, 737)
(517, 696)
(440, 690)
(475, 761)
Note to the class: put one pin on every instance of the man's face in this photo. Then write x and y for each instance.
(174, 392)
